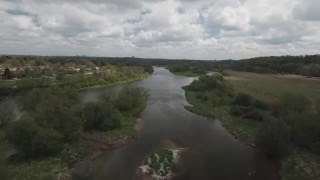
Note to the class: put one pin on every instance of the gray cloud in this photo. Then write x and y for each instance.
(307, 10)
(202, 29)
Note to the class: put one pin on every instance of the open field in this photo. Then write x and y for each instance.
(282, 77)
(268, 87)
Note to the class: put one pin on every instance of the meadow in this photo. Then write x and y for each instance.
(301, 163)
(268, 87)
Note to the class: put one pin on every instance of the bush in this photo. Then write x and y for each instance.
(101, 116)
(207, 83)
(274, 139)
(315, 147)
(129, 98)
(243, 99)
(32, 140)
(3, 170)
(260, 104)
(55, 108)
(246, 113)
(293, 103)
(6, 115)
(305, 129)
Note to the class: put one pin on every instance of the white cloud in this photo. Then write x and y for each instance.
(197, 29)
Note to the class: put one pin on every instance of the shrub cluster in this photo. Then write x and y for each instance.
(50, 119)
(207, 83)
(245, 106)
(101, 116)
(295, 119)
(108, 114)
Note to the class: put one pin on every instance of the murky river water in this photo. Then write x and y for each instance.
(213, 152)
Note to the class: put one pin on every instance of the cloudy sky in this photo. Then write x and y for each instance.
(191, 29)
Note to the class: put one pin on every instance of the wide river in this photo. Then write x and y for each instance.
(213, 153)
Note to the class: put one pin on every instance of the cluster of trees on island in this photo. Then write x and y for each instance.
(291, 120)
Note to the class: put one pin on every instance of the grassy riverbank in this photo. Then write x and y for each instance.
(301, 163)
(88, 145)
(110, 84)
(245, 129)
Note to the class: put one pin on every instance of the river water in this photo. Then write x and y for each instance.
(213, 153)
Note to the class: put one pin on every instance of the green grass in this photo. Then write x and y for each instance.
(270, 89)
(128, 123)
(244, 129)
(301, 165)
(48, 169)
(7, 83)
(115, 83)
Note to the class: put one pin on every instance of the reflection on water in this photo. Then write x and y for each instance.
(213, 152)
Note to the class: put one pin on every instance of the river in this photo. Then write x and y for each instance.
(213, 153)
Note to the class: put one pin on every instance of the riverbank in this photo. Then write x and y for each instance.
(245, 130)
(88, 147)
(301, 163)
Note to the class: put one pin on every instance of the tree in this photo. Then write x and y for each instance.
(7, 74)
(128, 98)
(101, 116)
(6, 115)
(33, 140)
(54, 107)
(60, 75)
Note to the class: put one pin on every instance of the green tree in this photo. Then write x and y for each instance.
(6, 115)
(101, 116)
(33, 140)
(7, 74)
(129, 98)
(60, 75)
(54, 107)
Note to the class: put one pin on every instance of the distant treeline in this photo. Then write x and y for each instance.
(308, 65)
(302, 65)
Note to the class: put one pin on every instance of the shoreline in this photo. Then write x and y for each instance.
(144, 76)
